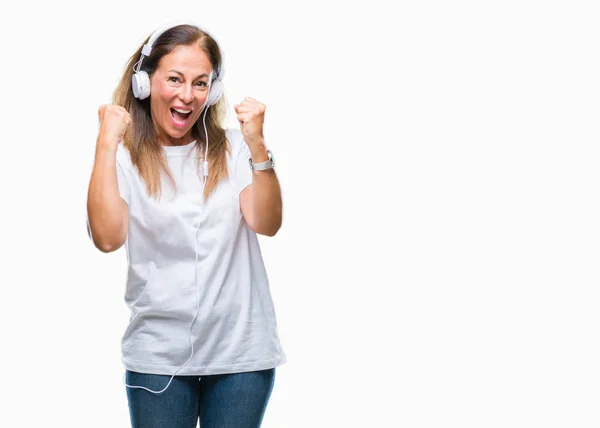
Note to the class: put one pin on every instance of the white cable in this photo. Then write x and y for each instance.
(205, 163)
(205, 174)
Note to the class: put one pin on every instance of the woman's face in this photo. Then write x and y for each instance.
(178, 90)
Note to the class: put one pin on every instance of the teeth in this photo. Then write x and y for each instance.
(182, 111)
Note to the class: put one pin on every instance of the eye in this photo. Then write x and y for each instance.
(173, 79)
(201, 84)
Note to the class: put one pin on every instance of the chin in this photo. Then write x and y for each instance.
(177, 135)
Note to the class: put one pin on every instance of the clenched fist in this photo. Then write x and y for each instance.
(251, 115)
(114, 121)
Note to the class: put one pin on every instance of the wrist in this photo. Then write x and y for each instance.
(264, 165)
(258, 151)
(106, 150)
(104, 145)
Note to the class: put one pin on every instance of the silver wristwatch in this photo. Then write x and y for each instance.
(261, 166)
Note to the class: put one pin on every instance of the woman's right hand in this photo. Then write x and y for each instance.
(114, 121)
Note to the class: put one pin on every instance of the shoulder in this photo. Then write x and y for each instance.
(235, 138)
(239, 148)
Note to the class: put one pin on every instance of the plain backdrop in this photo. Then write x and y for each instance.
(438, 262)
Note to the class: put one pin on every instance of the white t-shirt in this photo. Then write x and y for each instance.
(235, 329)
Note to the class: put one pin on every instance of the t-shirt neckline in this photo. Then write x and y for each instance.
(179, 150)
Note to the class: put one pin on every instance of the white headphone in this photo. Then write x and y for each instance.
(140, 80)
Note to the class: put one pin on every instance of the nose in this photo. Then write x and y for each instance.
(186, 94)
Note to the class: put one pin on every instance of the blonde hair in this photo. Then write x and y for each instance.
(141, 139)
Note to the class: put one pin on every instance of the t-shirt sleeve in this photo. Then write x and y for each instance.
(243, 173)
(122, 182)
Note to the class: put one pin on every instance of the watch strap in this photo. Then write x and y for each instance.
(262, 166)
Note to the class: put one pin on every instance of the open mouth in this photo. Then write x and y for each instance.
(180, 117)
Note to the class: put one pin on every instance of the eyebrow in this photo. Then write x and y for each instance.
(181, 74)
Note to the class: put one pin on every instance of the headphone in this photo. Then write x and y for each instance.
(140, 80)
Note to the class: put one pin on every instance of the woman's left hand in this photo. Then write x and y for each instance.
(251, 115)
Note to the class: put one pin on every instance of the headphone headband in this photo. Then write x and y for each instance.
(147, 48)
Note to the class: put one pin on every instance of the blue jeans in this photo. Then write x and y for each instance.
(236, 400)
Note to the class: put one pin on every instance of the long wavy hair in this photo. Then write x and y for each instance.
(141, 139)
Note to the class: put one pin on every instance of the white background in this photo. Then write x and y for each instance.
(438, 261)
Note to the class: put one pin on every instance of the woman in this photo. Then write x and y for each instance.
(187, 198)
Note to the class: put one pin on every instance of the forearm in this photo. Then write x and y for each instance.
(106, 209)
(266, 194)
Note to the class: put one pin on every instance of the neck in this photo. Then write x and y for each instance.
(167, 140)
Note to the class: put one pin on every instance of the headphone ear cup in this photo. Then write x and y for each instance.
(140, 83)
(216, 90)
